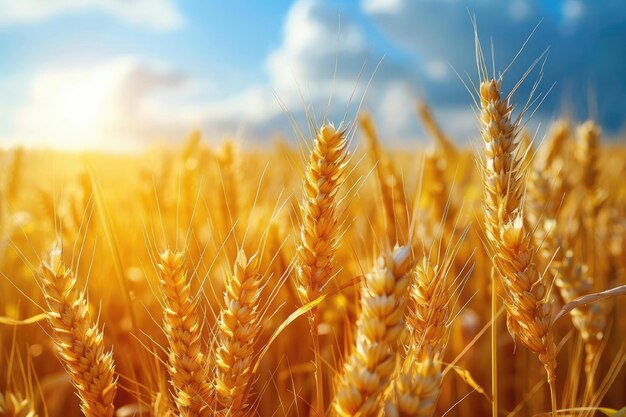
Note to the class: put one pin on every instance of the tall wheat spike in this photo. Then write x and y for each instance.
(188, 365)
(239, 329)
(78, 340)
(320, 229)
(528, 312)
(369, 368)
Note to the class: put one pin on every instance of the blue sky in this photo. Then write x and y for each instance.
(121, 74)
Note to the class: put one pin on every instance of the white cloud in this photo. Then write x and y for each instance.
(437, 69)
(311, 45)
(572, 10)
(382, 6)
(519, 9)
(155, 14)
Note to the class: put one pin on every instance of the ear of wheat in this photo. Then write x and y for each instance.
(587, 153)
(429, 308)
(369, 368)
(529, 316)
(394, 201)
(239, 329)
(78, 340)
(182, 326)
(445, 145)
(320, 229)
(230, 174)
(528, 312)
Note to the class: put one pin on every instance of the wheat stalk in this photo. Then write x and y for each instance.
(239, 329)
(369, 368)
(181, 324)
(77, 338)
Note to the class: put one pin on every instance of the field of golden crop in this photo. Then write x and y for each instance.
(332, 277)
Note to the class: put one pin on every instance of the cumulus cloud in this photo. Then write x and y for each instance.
(582, 56)
(155, 14)
(319, 56)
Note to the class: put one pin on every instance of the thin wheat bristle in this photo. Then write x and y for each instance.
(78, 339)
(187, 363)
(369, 368)
(239, 329)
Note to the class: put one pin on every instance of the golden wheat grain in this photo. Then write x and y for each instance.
(319, 230)
(573, 281)
(181, 323)
(430, 308)
(78, 340)
(160, 405)
(529, 315)
(501, 170)
(239, 329)
(369, 368)
(436, 192)
(14, 405)
(416, 389)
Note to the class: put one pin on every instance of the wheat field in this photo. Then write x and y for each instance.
(327, 274)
